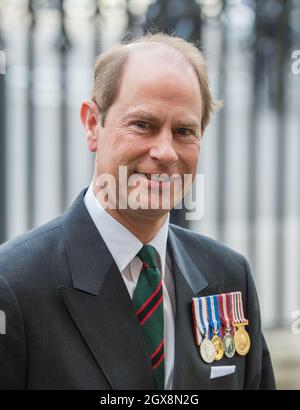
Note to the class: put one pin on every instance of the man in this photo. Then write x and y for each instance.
(100, 297)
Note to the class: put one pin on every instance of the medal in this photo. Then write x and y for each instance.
(229, 344)
(214, 321)
(226, 318)
(241, 336)
(217, 342)
(214, 318)
(242, 340)
(207, 349)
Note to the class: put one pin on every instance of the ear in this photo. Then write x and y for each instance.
(89, 115)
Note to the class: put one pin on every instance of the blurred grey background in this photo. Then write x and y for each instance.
(250, 152)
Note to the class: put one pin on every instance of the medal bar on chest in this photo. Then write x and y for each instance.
(226, 320)
(215, 324)
(206, 347)
(241, 336)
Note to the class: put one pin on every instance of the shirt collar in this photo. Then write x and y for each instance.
(121, 243)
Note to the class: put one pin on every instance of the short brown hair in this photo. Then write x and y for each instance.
(109, 67)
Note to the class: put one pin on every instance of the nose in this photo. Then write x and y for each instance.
(162, 149)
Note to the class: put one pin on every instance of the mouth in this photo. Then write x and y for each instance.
(163, 187)
(159, 178)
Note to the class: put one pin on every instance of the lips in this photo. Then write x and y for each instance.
(157, 177)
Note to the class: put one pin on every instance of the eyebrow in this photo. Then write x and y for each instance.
(145, 115)
(142, 114)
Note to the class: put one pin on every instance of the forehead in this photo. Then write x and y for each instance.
(154, 77)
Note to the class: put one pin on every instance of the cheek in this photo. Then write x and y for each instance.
(120, 139)
(189, 158)
(131, 146)
(110, 143)
(120, 148)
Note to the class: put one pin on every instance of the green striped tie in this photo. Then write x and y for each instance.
(148, 304)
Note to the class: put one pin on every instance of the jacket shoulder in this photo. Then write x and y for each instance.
(196, 242)
(31, 236)
(217, 262)
(30, 252)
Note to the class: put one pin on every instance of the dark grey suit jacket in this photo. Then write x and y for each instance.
(70, 323)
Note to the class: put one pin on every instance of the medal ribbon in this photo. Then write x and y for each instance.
(213, 313)
(237, 308)
(235, 318)
(217, 313)
(225, 310)
(229, 309)
(201, 326)
(240, 307)
(198, 329)
(203, 310)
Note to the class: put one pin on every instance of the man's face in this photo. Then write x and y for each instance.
(153, 127)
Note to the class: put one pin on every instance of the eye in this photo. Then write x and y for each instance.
(183, 131)
(142, 124)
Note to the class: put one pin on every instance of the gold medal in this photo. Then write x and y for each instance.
(241, 336)
(241, 339)
(217, 342)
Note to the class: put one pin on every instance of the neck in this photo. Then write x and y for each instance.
(144, 225)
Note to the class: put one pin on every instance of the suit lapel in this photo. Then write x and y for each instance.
(100, 305)
(190, 372)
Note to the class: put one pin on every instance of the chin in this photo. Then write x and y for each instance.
(150, 213)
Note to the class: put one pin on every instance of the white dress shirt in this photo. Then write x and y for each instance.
(124, 247)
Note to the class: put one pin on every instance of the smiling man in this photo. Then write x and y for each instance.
(152, 128)
(110, 295)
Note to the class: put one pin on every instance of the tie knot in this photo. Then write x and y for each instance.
(147, 256)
